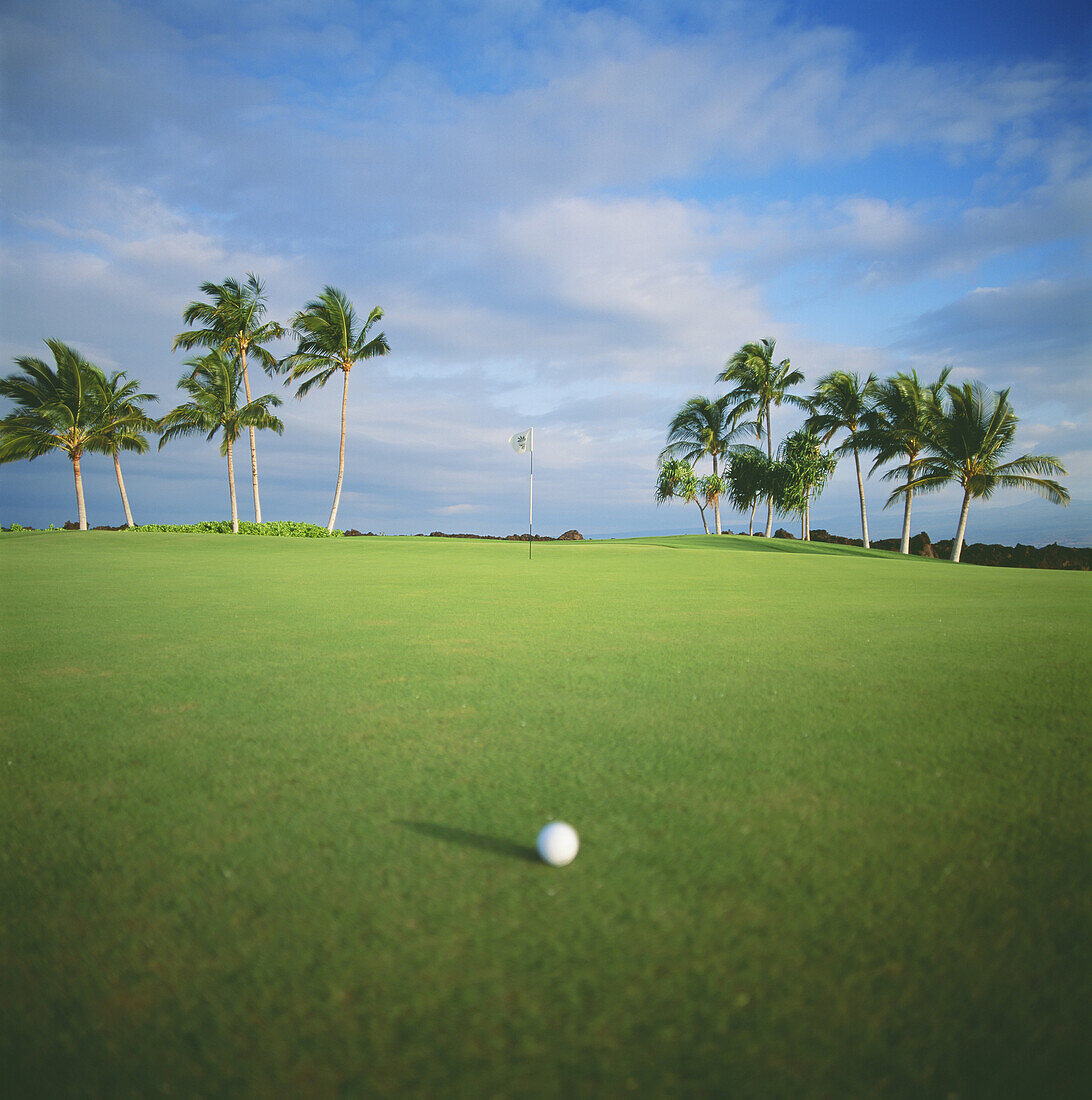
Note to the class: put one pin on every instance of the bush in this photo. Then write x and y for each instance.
(283, 528)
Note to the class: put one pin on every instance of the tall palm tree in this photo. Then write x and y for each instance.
(703, 427)
(898, 427)
(842, 402)
(55, 409)
(213, 386)
(761, 384)
(676, 480)
(332, 339)
(967, 439)
(124, 422)
(232, 323)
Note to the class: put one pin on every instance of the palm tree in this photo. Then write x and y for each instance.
(761, 384)
(213, 386)
(331, 339)
(232, 323)
(898, 427)
(676, 480)
(842, 402)
(804, 469)
(703, 427)
(968, 437)
(712, 487)
(56, 409)
(749, 475)
(124, 423)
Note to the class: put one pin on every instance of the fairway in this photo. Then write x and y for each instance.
(268, 809)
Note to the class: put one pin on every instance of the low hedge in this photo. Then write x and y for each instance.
(284, 528)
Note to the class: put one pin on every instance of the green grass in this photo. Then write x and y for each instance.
(267, 809)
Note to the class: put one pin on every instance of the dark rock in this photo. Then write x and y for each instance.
(1020, 556)
(819, 535)
(573, 536)
(920, 545)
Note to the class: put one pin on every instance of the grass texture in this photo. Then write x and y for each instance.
(268, 807)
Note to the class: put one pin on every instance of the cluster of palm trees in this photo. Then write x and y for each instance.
(75, 408)
(937, 434)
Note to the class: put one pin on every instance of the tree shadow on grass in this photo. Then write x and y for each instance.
(454, 835)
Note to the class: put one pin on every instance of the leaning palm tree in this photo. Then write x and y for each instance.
(898, 427)
(55, 409)
(967, 439)
(213, 386)
(124, 422)
(842, 402)
(761, 384)
(232, 323)
(676, 480)
(331, 339)
(703, 427)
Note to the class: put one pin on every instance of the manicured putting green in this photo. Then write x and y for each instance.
(269, 807)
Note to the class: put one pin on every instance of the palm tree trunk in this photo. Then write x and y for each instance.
(860, 490)
(703, 523)
(905, 547)
(121, 486)
(751, 520)
(341, 453)
(253, 444)
(80, 509)
(769, 454)
(231, 485)
(957, 546)
(716, 501)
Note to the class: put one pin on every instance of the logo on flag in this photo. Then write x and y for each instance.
(522, 442)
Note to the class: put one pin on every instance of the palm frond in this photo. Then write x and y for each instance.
(197, 338)
(24, 437)
(61, 401)
(318, 380)
(1045, 487)
(329, 337)
(232, 320)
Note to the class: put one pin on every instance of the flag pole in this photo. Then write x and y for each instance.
(521, 443)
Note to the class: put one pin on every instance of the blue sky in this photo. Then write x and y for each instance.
(572, 214)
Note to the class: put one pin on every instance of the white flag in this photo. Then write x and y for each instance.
(522, 442)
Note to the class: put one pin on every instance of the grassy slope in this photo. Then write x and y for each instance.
(266, 810)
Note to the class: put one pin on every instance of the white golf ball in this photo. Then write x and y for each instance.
(558, 843)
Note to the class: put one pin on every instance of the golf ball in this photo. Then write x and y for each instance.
(558, 843)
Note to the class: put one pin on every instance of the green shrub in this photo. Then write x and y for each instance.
(284, 528)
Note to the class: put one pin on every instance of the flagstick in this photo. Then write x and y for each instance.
(531, 507)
